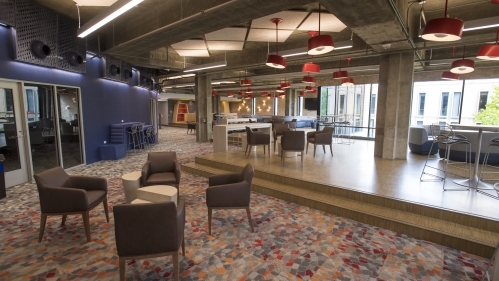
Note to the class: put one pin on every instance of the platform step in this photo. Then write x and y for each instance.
(465, 238)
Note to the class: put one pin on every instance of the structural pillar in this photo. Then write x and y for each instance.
(216, 104)
(290, 102)
(396, 75)
(204, 115)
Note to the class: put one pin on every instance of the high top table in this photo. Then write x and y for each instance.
(474, 181)
(220, 133)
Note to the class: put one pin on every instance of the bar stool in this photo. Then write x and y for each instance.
(149, 135)
(133, 136)
(493, 143)
(140, 135)
(448, 138)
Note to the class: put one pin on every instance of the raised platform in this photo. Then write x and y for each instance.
(385, 193)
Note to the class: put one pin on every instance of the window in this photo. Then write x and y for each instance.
(419, 122)
(357, 125)
(422, 97)
(373, 104)
(445, 103)
(342, 104)
(358, 104)
(300, 106)
(442, 124)
(456, 104)
(30, 101)
(483, 100)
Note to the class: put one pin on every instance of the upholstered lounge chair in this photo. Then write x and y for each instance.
(161, 168)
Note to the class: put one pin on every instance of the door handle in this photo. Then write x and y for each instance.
(13, 137)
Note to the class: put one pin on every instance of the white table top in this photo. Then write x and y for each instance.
(132, 176)
(491, 128)
(243, 126)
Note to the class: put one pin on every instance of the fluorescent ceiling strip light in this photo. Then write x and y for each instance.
(205, 66)
(222, 82)
(481, 23)
(179, 86)
(303, 51)
(106, 16)
(180, 76)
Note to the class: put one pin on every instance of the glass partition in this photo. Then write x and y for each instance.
(68, 100)
(8, 131)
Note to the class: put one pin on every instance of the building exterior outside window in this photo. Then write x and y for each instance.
(421, 103)
(445, 104)
(483, 100)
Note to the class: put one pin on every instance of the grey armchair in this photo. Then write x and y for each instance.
(230, 191)
(324, 137)
(165, 232)
(278, 131)
(292, 124)
(62, 194)
(161, 168)
(293, 141)
(256, 139)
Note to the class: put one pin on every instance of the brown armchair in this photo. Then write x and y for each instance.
(324, 137)
(62, 194)
(256, 139)
(293, 141)
(230, 191)
(278, 131)
(165, 232)
(292, 124)
(161, 168)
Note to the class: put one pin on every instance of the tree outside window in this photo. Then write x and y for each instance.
(490, 114)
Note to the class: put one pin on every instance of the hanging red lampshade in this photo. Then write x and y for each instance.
(303, 93)
(495, 2)
(249, 91)
(463, 65)
(308, 79)
(241, 93)
(341, 73)
(245, 81)
(320, 44)
(447, 75)
(281, 95)
(347, 81)
(279, 90)
(265, 93)
(214, 93)
(230, 94)
(490, 52)
(443, 29)
(285, 85)
(309, 88)
(314, 91)
(276, 61)
(311, 67)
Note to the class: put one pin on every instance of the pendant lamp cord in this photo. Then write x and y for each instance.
(464, 50)
(319, 19)
(446, 1)
(276, 44)
(497, 35)
(79, 21)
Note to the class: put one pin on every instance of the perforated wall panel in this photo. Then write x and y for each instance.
(146, 74)
(7, 10)
(110, 61)
(69, 42)
(34, 22)
(124, 67)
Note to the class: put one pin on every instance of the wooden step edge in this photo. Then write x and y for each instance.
(468, 244)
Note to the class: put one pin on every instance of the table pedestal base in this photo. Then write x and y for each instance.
(474, 183)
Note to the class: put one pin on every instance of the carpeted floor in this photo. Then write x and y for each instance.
(291, 242)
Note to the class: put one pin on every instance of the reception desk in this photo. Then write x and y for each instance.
(220, 133)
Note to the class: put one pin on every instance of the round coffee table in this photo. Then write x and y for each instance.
(156, 193)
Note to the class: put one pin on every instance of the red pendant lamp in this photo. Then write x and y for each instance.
(241, 93)
(279, 90)
(311, 67)
(447, 75)
(490, 52)
(443, 29)
(214, 93)
(309, 88)
(303, 93)
(265, 93)
(314, 91)
(308, 79)
(245, 81)
(347, 81)
(276, 61)
(341, 73)
(249, 91)
(495, 2)
(230, 95)
(320, 44)
(463, 65)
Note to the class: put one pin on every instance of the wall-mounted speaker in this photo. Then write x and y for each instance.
(127, 74)
(39, 49)
(74, 59)
(143, 80)
(114, 70)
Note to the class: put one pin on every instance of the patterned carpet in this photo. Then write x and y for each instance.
(291, 242)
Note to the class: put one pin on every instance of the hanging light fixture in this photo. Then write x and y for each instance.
(320, 44)
(443, 29)
(340, 74)
(309, 88)
(241, 93)
(463, 65)
(490, 52)
(308, 79)
(314, 91)
(214, 93)
(279, 90)
(265, 93)
(230, 95)
(249, 91)
(285, 85)
(276, 61)
(245, 81)
(447, 75)
(347, 81)
(303, 93)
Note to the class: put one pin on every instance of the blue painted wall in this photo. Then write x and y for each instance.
(104, 102)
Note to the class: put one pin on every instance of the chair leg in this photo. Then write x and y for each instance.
(122, 268)
(315, 147)
(269, 150)
(275, 141)
(106, 209)
(324, 148)
(249, 218)
(264, 150)
(63, 219)
(331, 148)
(210, 210)
(282, 156)
(307, 148)
(176, 271)
(183, 246)
(246, 149)
(86, 222)
(43, 220)
(302, 158)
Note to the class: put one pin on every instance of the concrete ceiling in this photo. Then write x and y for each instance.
(144, 34)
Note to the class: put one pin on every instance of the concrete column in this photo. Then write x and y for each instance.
(204, 115)
(396, 75)
(291, 102)
(216, 104)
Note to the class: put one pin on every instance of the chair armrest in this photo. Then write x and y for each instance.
(88, 183)
(229, 195)
(146, 172)
(325, 138)
(62, 199)
(177, 171)
(312, 134)
(223, 179)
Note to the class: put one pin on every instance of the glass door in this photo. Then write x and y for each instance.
(11, 135)
(68, 108)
